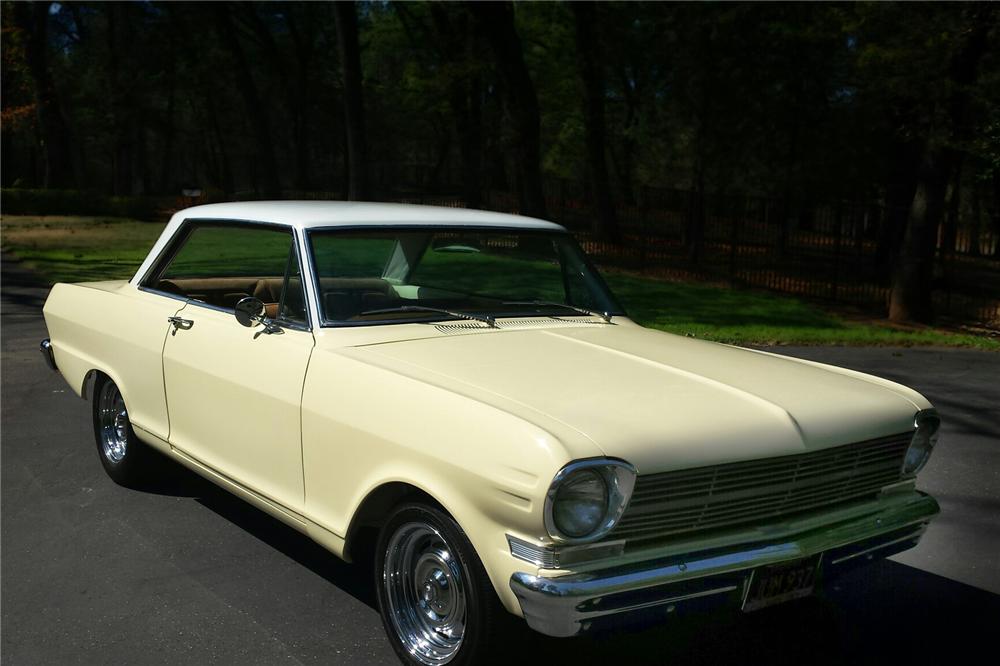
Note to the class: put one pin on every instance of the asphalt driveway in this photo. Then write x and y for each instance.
(185, 573)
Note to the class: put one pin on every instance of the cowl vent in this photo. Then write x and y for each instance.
(519, 323)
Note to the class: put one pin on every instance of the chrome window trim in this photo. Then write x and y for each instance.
(176, 242)
(618, 311)
(620, 479)
(295, 326)
(309, 279)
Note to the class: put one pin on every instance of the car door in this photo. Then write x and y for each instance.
(233, 392)
(135, 335)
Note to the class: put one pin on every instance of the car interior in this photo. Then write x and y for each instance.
(343, 298)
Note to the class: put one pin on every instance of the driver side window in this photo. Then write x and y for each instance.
(219, 264)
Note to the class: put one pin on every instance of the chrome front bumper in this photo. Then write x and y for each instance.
(46, 348)
(570, 604)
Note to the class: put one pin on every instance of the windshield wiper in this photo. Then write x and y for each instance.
(606, 316)
(486, 319)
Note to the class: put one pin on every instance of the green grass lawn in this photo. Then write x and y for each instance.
(75, 249)
(78, 249)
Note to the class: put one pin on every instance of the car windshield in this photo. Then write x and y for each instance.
(387, 275)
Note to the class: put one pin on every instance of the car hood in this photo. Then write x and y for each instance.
(657, 400)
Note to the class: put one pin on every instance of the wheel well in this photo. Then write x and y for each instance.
(89, 380)
(363, 531)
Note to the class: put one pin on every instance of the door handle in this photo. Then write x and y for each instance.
(180, 323)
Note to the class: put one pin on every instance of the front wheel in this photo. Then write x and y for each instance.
(122, 455)
(437, 603)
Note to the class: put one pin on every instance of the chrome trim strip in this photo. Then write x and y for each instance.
(307, 269)
(545, 558)
(45, 346)
(557, 557)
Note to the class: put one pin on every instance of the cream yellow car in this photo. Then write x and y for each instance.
(459, 392)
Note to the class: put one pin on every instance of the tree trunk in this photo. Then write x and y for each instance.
(694, 233)
(949, 233)
(56, 141)
(168, 179)
(225, 171)
(899, 193)
(910, 299)
(496, 21)
(346, 18)
(470, 138)
(266, 165)
(605, 224)
(122, 121)
(292, 93)
(300, 100)
(624, 161)
(455, 45)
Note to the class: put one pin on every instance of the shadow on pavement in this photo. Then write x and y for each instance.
(174, 479)
(887, 613)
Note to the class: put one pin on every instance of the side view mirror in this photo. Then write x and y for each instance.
(250, 312)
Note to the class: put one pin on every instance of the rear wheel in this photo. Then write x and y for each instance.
(437, 603)
(123, 456)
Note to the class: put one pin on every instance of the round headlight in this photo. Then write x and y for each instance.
(587, 498)
(928, 425)
(580, 504)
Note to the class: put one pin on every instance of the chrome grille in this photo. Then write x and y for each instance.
(720, 496)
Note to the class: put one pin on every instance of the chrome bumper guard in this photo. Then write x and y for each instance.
(571, 604)
(46, 348)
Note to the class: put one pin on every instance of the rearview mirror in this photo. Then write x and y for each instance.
(250, 311)
(459, 244)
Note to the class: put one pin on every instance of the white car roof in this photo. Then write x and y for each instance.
(311, 214)
(317, 214)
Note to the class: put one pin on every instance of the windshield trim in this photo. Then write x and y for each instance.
(616, 311)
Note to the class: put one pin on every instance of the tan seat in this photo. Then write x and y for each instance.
(344, 298)
(220, 292)
(268, 290)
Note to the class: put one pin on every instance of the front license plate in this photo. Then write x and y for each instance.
(781, 582)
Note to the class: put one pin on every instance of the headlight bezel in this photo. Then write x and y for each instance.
(927, 429)
(619, 480)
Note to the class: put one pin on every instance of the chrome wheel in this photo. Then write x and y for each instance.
(113, 425)
(425, 593)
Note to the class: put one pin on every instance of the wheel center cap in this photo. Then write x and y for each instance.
(434, 591)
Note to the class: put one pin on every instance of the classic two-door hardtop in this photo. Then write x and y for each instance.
(459, 392)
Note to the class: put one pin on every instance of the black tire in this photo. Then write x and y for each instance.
(123, 456)
(483, 613)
